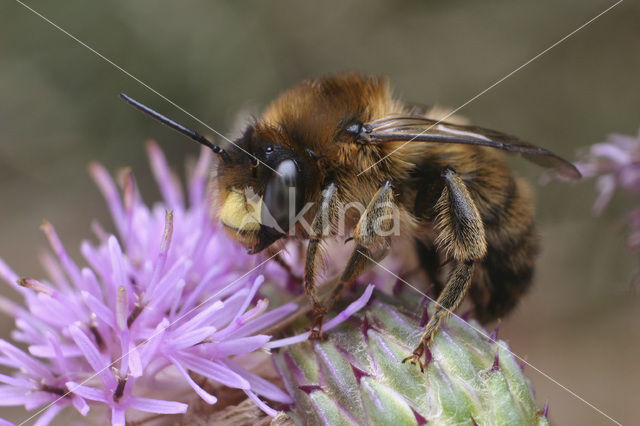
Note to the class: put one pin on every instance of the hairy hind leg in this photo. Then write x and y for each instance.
(460, 233)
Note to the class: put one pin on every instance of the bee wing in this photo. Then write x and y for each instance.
(420, 129)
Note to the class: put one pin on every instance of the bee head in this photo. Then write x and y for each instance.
(261, 189)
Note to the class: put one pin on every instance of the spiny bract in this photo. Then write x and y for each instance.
(356, 375)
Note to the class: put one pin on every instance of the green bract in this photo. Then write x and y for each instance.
(356, 375)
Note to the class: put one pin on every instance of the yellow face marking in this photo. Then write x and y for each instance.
(241, 213)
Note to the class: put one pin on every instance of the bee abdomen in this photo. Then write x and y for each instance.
(503, 278)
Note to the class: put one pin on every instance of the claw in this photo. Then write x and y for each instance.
(418, 352)
(413, 359)
(317, 335)
(319, 313)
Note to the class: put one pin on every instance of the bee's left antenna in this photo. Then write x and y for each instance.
(177, 127)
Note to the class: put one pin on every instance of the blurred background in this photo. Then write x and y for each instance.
(59, 110)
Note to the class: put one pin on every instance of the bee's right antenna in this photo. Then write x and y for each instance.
(177, 127)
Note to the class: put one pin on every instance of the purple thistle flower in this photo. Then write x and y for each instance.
(173, 295)
(616, 165)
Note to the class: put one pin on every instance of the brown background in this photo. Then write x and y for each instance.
(59, 110)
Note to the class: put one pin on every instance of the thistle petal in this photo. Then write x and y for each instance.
(157, 405)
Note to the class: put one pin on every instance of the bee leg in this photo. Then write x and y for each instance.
(374, 226)
(460, 233)
(320, 226)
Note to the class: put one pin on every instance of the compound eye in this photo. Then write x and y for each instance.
(280, 197)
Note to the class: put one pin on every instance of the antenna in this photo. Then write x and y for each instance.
(177, 127)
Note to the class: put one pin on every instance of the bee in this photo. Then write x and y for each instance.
(345, 140)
